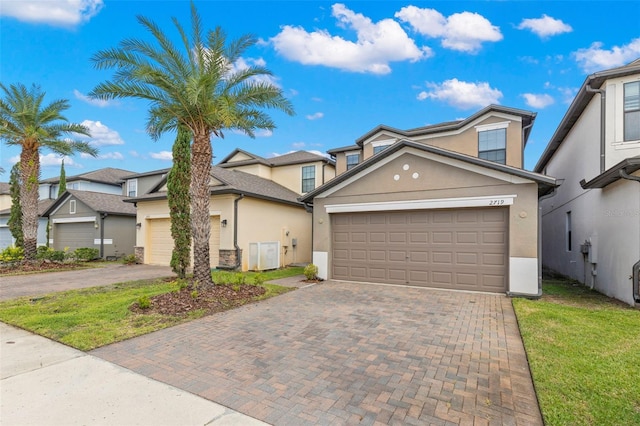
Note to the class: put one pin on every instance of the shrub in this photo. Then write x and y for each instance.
(12, 254)
(144, 302)
(259, 279)
(239, 278)
(194, 294)
(85, 254)
(47, 253)
(311, 271)
(129, 259)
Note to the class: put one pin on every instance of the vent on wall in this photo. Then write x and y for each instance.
(263, 256)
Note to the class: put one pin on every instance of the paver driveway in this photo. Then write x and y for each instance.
(343, 353)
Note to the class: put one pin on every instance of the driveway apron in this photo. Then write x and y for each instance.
(345, 353)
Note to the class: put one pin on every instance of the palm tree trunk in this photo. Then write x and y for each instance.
(30, 174)
(201, 156)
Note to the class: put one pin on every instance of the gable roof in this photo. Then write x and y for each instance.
(545, 183)
(234, 182)
(97, 201)
(43, 205)
(150, 173)
(527, 116)
(296, 157)
(577, 107)
(108, 175)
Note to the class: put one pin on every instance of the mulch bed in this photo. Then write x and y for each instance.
(220, 297)
(38, 266)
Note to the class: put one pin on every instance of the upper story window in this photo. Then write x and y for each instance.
(492, 145)
(632, 111)
(353, 160)
(132, 187)
(377, 149)
(72, 207)
(308, 178)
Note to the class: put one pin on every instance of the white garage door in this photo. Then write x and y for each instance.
(160, 243)
(464, 249)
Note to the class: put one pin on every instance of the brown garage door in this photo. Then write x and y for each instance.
(160, 243)
(464, 249)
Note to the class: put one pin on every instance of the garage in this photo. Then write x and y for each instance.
(462, 249)
(160, 243)
(74, 235)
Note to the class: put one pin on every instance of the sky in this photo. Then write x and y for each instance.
(347, 67)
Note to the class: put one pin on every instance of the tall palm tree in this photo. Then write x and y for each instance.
(26, 122)
(198, 86)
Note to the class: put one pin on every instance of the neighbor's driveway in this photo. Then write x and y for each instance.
(15, 286)
(338, 353)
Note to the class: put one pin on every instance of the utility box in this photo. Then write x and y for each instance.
(264, 256)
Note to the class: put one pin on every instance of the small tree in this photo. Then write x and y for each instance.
(178, 181)
(62, 186)
(15, 215)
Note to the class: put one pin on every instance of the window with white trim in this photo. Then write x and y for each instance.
(377, 149)
(353, 160)
(632, 111)
(132, 187)
(308, 178)
(492, 145)
(72, 207)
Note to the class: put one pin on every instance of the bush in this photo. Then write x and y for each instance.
(12, 254)
(85, 254)
(129, 259)
(239, 278)
(47, 253)
(259, 279)
(144, 302)
(311, 271)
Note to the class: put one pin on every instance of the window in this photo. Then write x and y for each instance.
(632, 111)
(492, 145)
(308, 178)
(377, 149)
(353, 160)
(132, 187)
(73, 185)
(568, 231)
(72, 207)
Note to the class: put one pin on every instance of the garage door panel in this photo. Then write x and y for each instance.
(435, 248)
(160, 242)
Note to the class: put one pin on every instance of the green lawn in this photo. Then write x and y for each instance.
(93, 317)
(584, 353)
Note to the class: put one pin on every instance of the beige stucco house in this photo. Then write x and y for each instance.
(445, 206)
(257, 221)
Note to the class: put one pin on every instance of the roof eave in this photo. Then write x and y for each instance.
(629, 165)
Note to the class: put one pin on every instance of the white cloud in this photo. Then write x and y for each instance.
(106, 156)
(376, 46)
(243, 63)
(538, 101)
(96, 102)
(315, 116)
(101, 135)
(52, 159)
(162, 155)
(464, 31)
(258, 133)
(545, 27)
(298, 145)
(462, 94)
(595, 58)
(53, 12)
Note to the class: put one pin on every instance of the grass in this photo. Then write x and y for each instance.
(584, 353)
(92, 317)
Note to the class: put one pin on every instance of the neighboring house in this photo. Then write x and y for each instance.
(257, 221)
(5, 195)
(299, 171)
(107, 181)
(92, 219)
(445, 206)
(591, 225)
(6, 239)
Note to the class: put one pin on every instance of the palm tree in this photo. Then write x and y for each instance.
(197, 86)
(26, 122)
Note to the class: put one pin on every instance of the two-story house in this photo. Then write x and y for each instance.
(445, 206)
(591, 224)
(257, 221)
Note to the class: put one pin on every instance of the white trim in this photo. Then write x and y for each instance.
(385, 142)
(492, 126)
(130, 181)
(72, 207)
(523, 275)
(105, 241)
(74, 219)
(442, 203)
(460, 164)
(168, 216)
(352, 153)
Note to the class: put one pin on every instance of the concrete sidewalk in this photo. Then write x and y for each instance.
(44, 382)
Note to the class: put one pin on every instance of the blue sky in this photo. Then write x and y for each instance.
(346, 67)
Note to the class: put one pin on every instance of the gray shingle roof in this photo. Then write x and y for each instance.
(98, 201)
(43, 205)
(296, 157)
(237, 182)
(107, 175)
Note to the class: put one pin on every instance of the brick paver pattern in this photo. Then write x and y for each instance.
(343, 353)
